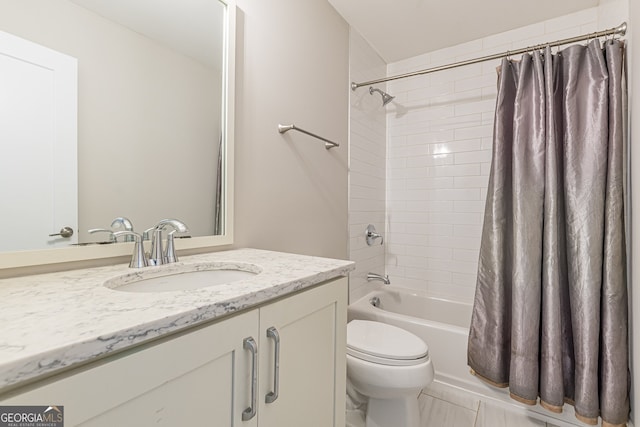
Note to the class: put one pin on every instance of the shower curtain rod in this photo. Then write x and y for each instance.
(620, 30)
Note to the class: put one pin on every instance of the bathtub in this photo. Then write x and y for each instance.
(441, 323)
(444, 325)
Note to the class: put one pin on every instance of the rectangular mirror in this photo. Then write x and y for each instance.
(154, 121)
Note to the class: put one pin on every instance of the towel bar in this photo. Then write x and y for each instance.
(327, 143)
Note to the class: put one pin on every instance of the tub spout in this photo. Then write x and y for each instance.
(384, 279)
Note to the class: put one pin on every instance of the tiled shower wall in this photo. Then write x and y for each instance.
(439, 152)
(367, 165)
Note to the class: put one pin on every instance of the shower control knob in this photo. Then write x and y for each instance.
(372, 235)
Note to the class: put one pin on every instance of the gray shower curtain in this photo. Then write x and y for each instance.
(550, 310)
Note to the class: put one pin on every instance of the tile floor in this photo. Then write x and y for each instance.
(443, 406)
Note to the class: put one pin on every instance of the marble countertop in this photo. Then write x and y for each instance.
(53, 321)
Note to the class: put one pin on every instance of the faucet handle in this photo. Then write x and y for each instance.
(159, 256)
(146, 234)
(138, 259)
(372, 235)
(170, 251)
(112, 238)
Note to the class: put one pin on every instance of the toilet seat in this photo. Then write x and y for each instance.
(384, 344)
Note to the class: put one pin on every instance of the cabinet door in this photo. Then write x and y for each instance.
(200, 378)
(312, 366)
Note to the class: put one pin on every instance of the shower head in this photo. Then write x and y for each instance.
(386, 98)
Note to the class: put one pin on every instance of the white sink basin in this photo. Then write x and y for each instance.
(195, 278)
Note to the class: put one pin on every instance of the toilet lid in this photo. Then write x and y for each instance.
(384, 341)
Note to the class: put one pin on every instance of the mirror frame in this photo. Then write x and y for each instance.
(30, 258)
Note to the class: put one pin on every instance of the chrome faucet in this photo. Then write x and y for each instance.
(124, 224)
(384, 279)
(158, 256)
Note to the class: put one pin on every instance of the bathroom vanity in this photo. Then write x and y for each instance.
(266, 350)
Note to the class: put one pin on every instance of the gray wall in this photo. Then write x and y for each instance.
(292, 66)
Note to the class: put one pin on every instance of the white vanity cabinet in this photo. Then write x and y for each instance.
(203, 377)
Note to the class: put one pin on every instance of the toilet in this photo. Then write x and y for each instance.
(389, 366)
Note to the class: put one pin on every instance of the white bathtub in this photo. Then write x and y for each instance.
(441, 323)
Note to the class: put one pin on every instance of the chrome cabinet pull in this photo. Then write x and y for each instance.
(250, 344)
(271, 397)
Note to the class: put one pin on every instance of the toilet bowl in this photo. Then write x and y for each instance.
(389, 366)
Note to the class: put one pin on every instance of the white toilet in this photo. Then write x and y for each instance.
(389, 366)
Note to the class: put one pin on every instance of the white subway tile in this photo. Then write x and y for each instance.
(429, 113)
(425, 274)
(423, 94)
(475, 83)
(397, 141)
(358, 192)
(460, 279)
(410, 217)
(455, 194)
(487, 143)
(468, 206)
(467, 230)
(405, 239)
(439, 206)
(453, 123)
(407, 195)
(455, 218)
(456, 146)
(429, 183)
(470, 182)
(430, 160)
(367, 205)
(421, 172)
(430, 252)
(457, 170)
(465, 255)
(430, 137)
(407, 151)
(454, 242)
(431, 229)
(404, 282)
(396, 163)
(474, 132)
(475, 107)
(472, 157)
(458, 97)
(411, 261)
(395, 173)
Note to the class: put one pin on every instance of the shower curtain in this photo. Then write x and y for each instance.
(550, 310)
